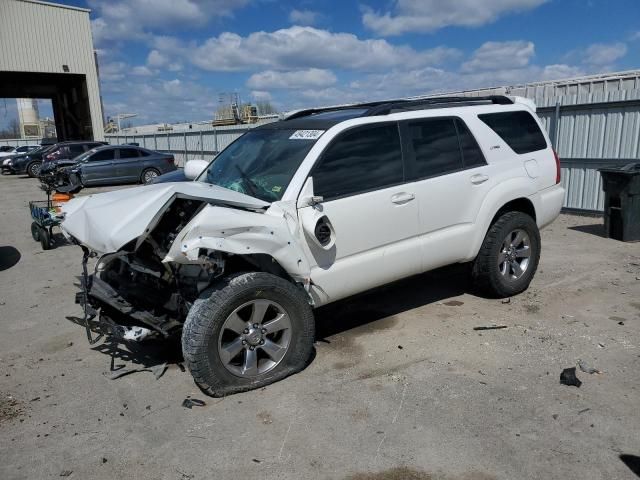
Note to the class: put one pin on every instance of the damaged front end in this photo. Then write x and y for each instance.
(162, 248)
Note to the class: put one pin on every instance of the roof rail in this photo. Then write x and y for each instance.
(435, 102)
(388, 106)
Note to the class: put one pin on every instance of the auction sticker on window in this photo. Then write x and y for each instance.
(306, 135)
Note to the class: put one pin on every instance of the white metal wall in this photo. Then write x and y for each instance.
(42, 37)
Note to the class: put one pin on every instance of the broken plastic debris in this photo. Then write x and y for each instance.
(568, 377)
(157, 370)
(586, 368)
(192, 402)
(490, 327)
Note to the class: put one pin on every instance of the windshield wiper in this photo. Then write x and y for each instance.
(250, 184)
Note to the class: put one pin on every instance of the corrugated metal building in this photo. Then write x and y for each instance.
(46, 51)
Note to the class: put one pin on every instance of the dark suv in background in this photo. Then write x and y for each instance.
(31, 162)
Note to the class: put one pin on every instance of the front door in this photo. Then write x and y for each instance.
(99, 167)
(374, 214)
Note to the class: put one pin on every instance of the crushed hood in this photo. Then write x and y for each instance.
(105, 222)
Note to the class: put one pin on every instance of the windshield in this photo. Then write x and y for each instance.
(83, 156)
(262, 162)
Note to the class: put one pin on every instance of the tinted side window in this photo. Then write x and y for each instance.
(435, 147)
(108, 154)
(360, 160)
(471, 154)
(518, 129)
(76, 149)
(128, 153)
(143, 153)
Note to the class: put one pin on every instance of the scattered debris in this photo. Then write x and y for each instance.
(584, 410)
(453, 303)
(157, 370)
(490, 327)
(506, 300)
(255, 460)
(66, 473)
(70, 344)
(601, 345)
(104, 460)
(194, 402)
(555, 416)
(400, 347)
(568, 377)
(586, 368)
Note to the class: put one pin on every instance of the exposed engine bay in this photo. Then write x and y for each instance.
(148, 285)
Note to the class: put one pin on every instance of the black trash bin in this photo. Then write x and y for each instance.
(621, 187)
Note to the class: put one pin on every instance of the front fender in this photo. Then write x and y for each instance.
(241, 232)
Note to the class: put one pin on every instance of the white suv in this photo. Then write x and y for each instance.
(311, 209)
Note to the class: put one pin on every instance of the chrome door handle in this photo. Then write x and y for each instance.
(402, 198)
(478, 179)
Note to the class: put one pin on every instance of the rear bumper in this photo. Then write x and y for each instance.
(548, 205)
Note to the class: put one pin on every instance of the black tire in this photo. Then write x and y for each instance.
(33, 169)
(45, 239)
(204, 323)
(486, 272)
(146, 173)
(35, 231)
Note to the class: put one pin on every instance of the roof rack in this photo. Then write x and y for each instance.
(435, 102)
(388, 106)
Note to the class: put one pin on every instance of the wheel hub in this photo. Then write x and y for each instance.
(254, 337)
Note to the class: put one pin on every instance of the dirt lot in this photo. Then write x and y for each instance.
(402, 386)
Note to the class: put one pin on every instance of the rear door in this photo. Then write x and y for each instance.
(128, 165)
(451, 179)
(374, 215)
(99, 167)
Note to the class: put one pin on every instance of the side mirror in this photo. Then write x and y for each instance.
(193, 168)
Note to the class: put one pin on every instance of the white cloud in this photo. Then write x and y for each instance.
(142, 71)
(604, 54)
(561, 71)
(157, 59)
(261, 96)
(308, 47)
(303, 17)
(312, 77)
(129, 19)
(431, 15)
(500, 55)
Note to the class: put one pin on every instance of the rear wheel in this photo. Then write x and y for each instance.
(509, 256)
(45, 238)
(246, 332)
(148, 175)
(35, 231)
(33, 169)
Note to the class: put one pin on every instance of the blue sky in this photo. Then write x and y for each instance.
(168, 60)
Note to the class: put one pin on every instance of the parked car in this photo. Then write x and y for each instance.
(31, 162)
(312, 209)
(7, 151)
(175, 176)
(110, 165)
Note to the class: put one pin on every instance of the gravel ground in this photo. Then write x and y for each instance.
(401, 387)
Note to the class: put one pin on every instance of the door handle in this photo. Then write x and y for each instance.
(478, 179)
(402, 198)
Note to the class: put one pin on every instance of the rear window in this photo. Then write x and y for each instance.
(518, 129)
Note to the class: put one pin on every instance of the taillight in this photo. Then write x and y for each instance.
(558, 171)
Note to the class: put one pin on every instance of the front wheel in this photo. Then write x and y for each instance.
(33, 170)
(509, 256)
(247, 331)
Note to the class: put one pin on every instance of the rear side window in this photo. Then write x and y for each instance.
(76, 149)
(128, 153)
(435, 146)
(360, 160)
(518, 129)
